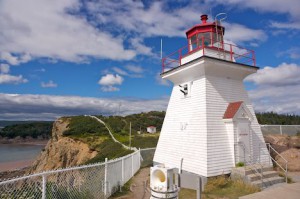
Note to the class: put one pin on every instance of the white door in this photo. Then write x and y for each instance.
(243, 138)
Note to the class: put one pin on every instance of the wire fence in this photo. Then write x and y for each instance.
(280, 129)
(98, 180)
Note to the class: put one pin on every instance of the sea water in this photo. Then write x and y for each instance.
(18, 152)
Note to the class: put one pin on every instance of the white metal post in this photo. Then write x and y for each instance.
(280, 126)
(105, 178)
(130, 135)
(44, 186)
(123, 172)
(139, 158)
(131, 165)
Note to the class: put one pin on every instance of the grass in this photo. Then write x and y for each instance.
(109, 149)
(221, 187)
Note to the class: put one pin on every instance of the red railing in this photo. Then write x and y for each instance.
(233, 53)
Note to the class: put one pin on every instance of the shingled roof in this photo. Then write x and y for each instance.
(232, 109)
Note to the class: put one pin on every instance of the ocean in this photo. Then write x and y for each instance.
(18, 152)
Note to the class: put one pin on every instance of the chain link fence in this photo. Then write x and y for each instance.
(99, 180)
(280, 129)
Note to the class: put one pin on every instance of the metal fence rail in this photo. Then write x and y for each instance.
(280, 129)
(98, 180)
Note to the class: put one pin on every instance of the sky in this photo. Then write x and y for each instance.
(76, 57)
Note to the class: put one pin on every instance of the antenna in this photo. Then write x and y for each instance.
(222, 17)
(161, 48)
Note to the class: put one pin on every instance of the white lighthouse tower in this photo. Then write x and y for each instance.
(210, 123)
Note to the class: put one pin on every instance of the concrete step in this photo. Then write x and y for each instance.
(268, 181)
(266, 174)
(253, 169)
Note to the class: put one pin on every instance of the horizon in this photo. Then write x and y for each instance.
(70, 57)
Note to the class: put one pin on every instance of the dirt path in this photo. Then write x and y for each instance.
(137, 188)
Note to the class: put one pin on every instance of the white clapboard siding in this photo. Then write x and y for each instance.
(194, 128)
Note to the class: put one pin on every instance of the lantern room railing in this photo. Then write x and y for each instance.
(206, 47)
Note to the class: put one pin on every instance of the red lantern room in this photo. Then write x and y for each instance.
(210, 34)
(206, 40)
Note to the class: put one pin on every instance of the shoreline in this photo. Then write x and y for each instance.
(24, 141)
(15, 165)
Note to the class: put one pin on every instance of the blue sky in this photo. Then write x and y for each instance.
(69, 57)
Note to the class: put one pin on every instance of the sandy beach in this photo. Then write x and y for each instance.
(9, 166)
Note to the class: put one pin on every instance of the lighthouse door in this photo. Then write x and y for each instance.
(243, 139)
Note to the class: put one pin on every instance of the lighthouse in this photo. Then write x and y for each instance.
(210, 124)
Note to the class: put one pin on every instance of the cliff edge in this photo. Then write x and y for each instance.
(62, 151)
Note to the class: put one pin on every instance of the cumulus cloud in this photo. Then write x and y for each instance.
(277, 89)
(240, 33)
(132, 71)
(282, 75)
(109, 80)
(46, 107)
(49, 84)
(11, 79)
(41, 28)
(161, 81)
(276, 6)
(4, 68)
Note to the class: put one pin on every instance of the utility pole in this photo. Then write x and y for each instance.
(130, 135)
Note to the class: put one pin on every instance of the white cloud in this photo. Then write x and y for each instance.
(286, 25)
(4, 68)
(111, 79)
(293, 53)
(140, 47)
(135, 69)
(240, 33)
(284, 74)
(11, 79)
(277, 89)
(290, 7)
(120, 71)
(49, 84)
(161, 81)
(46, 107)
(109, 88)
(156, 19)
(129, 70)
(41, 28)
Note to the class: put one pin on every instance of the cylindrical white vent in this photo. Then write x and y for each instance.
(161, 183)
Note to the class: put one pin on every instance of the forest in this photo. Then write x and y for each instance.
(121, 124)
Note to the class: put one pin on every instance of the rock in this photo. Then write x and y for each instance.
(294, 142)
(279, 142)
(292, 156)
(61, 152)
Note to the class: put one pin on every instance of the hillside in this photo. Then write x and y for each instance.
(81, 139)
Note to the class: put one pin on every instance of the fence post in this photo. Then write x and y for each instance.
(105, 178)
(132, 165)
(123, 172)
(280, 127)
(44, 186)
(139, 158)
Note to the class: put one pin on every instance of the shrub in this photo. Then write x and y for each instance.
(240, 164)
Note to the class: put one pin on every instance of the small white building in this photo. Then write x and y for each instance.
(210, 122)
(151, 129)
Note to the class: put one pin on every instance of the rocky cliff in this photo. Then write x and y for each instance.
(61, 152)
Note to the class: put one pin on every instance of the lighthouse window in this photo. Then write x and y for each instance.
(205, 37)
(194, 42)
